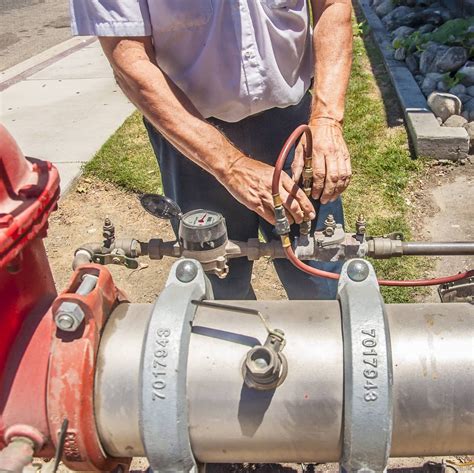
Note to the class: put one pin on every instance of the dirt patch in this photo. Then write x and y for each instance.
(443, 210)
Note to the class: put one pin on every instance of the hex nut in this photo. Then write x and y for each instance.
(72, 310)
(257, 353)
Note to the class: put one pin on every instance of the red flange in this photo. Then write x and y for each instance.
(72, 370)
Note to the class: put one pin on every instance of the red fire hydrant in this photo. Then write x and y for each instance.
(46, 371)
(29, 190)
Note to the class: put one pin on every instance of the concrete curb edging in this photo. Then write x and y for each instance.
(429, 138)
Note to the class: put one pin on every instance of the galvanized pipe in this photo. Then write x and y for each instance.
(445, 248)
(301, 421)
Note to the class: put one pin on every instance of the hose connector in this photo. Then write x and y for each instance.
(282, 225)
(307, 175)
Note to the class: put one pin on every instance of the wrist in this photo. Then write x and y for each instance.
(224, 172)
(325, 120)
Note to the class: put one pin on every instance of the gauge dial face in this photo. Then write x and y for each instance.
(201, 219)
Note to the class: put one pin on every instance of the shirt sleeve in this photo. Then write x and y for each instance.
(110, 18)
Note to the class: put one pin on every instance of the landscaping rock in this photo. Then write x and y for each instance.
(419, 79)
(469, 108)
(439, 121)
(464, 98)
(384, 8)
(449, 60)
(401, 16)
(456, 121)
(430, 82)
(435, 15)
(444, 105)
(470, 90)
(457, 89)
(429, 56)
(470, 131)
(412, 63)
(467, 73)
(428, 28)
(402, 32)
(441, 86)
(400, 54)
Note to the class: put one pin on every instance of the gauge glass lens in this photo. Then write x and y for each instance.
(201, 218)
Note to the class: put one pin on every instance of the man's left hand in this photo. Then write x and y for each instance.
(331, 161)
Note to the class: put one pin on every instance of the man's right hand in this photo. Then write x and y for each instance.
(250, 182)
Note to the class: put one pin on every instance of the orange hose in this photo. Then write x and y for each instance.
(327, 274)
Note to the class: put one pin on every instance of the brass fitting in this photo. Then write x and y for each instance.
(282, 225)
(305, 227)
(308, 176)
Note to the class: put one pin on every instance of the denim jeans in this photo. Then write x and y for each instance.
(261, 137)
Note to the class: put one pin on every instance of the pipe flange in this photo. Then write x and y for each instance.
(368, 375)
(163, 401)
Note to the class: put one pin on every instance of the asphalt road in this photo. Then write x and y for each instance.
(28, 27)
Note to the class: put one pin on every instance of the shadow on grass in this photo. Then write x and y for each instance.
(392, 106)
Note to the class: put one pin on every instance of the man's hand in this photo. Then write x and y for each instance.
(250, 182)
(331, 161)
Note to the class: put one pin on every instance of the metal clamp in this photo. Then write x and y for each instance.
(163, 403)
(368, 374)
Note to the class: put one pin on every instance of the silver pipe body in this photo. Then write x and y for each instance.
(448, 248)
(301, 421)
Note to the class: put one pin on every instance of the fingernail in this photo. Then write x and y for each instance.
(312, 215)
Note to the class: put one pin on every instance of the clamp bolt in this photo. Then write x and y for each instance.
(358, 270)
(361, 225)
(64, 322)
(186, 271)
(69, 315)
(329, 225)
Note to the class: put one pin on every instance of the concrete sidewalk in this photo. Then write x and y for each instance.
(62, 105)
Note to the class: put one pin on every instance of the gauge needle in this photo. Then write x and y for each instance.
(201, 220)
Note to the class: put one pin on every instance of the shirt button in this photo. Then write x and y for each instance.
(247, 54)
(254, 63)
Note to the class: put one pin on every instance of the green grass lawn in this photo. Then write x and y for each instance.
(382, 165)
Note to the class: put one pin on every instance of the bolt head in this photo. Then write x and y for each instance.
(358, 270)
(186, 271)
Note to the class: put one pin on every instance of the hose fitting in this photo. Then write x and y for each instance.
(282, 225)
(308, 175)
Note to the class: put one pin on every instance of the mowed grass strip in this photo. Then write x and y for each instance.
(382, 165)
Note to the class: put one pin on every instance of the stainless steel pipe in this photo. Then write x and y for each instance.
(448, 248)
(301, 421)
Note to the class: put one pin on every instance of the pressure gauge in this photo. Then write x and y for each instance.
(202, 230)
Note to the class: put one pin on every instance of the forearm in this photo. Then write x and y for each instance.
(167, 107)
(332, 44)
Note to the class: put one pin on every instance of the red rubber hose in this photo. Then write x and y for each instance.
(326, 274)
(284, 154)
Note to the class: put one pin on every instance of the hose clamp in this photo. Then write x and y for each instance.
(368, 375)
(163, 401)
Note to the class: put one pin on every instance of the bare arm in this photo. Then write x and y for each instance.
(175, 117)
(332, 43)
